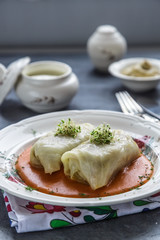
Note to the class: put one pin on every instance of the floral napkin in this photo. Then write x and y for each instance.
(27, 216)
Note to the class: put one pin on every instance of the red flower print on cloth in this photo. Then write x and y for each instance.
(8, 206)
(6, 199)
(9, 209)
(156, 195)
(75, 213)
(36, 207)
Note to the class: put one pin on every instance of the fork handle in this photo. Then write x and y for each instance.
(150, 118)
(150, 112)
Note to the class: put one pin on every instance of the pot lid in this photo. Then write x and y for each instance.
(107, 29)
(10, 75)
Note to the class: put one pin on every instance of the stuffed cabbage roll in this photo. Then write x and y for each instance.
(47, 151)
(97, 164)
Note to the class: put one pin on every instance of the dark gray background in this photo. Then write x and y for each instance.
(70, 23)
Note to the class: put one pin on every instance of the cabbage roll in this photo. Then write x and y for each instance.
(97, 164)
(47, 151)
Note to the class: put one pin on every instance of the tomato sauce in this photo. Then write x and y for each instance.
(132, 176)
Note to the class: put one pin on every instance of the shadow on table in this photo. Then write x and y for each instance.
(14, 111)
(96, 73)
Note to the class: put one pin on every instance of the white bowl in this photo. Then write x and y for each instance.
(136, 84)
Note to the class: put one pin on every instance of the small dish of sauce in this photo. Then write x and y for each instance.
(137, 74)
(141, 69)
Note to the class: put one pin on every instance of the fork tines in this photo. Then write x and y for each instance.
(128, 104)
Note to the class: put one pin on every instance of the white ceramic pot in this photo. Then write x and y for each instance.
(105, 46)
(46, 86)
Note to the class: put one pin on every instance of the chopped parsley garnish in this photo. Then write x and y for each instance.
(101, 135)
(51, 192)
(29, 188)
(34, 132)
(83, 195)
(67, 128)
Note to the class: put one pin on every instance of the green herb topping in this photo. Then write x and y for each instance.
(29, 188)
(67, 128)
(101, 135)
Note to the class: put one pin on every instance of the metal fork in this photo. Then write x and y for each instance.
(130, 106)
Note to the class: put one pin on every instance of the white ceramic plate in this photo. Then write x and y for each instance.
(16, 138)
